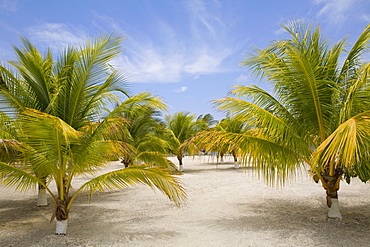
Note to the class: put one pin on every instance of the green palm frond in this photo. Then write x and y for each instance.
(274, 161)
(346, 146)
(270, 125)
(20, 178)
(139, 174)
(157, 159)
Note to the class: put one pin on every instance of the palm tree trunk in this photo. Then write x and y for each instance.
(181, 168)
(61, 227)
(61, 214)
(332, 187)
(42, 199)
(236, 164)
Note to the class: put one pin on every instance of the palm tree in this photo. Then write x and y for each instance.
(143, 133)
(59, 151)
(316, 115)
(57, 108)
(180, 127)
(208, 121)
(205, 140)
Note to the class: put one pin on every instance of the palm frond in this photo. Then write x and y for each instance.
(12, 176)
(154, 177)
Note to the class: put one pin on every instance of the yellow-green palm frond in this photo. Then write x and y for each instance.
(10, 151)
(276, 128)
(356, 97)
(88, 157)
(20, 178)
(346, 148)
(157, 159)
(155, 177)
(271, 160)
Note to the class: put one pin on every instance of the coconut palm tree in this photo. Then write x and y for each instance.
(57, 150)
(143, 133)
(205, 139)
(180, 127)
(74, 87)
(317, 114)
(208, 121)
(67, 136)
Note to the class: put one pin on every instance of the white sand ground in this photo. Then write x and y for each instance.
(226, 207)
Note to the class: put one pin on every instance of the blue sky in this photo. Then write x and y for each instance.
(187, 52)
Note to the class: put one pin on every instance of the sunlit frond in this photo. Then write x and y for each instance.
(154, 177)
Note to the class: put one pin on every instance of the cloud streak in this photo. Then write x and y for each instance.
(180, 90)
(337, 11)
(56, 35)
(165, 57)
(166, 61)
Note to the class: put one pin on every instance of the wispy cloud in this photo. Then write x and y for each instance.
(365, 17)
(336, 11)
(200, 48)
(242, 79)
(8, 5)
(180, 90)
(168, 59)
(56, 35)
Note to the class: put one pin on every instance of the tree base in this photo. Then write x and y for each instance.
(334, 211)
(236, 165)
(181, 168)
(61, 227)
(42, 199)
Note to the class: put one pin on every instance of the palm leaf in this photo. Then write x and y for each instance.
(128, 177)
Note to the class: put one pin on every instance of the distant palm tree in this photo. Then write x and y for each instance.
(317, 114)
(208, 121)
(54, 110)
(206, 139)
(180, 127)
(143, 134)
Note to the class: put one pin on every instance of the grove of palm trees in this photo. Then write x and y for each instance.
(289, 161)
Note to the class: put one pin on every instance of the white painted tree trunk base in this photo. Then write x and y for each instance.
(334, 211)
(236, 165)
(42, 199)
(61, 227)
(181, 168)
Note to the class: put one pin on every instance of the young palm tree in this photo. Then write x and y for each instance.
(317, 114)
(57, 150)
(205, 140)
(180, 127)
(57, 108)
(74, 88)
(143, 134)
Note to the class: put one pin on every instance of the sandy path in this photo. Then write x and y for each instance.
(226, 207)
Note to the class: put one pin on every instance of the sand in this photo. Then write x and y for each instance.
(226, 207)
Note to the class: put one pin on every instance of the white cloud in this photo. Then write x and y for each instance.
(337, 11)
(242, 79)
(365, 17)
(56, 35)
(167, 59)
(201, 48)
(180, 90)
(8, 5)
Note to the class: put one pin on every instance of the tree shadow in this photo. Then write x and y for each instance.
(287, 220)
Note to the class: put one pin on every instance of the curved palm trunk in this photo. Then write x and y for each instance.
(181, 168)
